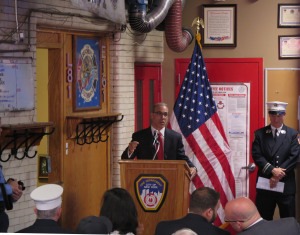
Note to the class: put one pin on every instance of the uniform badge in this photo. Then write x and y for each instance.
(151, 191)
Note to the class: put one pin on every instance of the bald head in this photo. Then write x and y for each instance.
(242, 212)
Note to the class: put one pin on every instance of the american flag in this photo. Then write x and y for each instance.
(195, 116)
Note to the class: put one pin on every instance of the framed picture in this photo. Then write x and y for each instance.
(86, 85)
(219, 25)
(288, 15)
(289, 47)
(43, 167)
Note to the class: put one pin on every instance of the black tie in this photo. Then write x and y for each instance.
(275, 136)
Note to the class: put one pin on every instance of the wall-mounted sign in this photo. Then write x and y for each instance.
(233, 102)
(16, 84)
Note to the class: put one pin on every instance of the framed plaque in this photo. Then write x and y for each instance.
(219, 25)
(288, 15)
(289, 47)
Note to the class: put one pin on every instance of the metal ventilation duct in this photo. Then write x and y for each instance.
(142, 21)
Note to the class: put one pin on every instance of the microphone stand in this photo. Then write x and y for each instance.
(155, 144)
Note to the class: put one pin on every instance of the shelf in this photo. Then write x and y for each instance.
(25, 135)
(88, 129)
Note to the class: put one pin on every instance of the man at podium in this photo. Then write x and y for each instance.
(158, 142)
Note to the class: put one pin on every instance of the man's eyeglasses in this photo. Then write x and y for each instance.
(165, 114)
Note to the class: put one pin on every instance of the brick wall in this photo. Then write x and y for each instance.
(126, 49)
(124, 53)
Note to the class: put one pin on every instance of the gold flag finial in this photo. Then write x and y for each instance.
(198, 22)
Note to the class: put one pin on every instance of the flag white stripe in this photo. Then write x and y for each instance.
(208, 153)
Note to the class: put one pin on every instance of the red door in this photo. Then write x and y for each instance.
(235, 70)
(147, 92)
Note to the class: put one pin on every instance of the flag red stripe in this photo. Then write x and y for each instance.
(208, 168)
(216, 119)
(198, 182)
(222, 158)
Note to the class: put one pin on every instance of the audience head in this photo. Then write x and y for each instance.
(205, 202)
(159, 115)
(184, 231)
(94, 225)
(119, 207)
(241, 213)
(47, 199)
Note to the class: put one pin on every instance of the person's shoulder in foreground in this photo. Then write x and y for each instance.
(204, 203)
(288, 226)
(195, 222)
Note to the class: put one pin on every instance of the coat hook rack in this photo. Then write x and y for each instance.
(25, 136)
(88, 129)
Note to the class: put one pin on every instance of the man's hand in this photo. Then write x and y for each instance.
(278, 173)
(140, 229)
(17, 191)
(193, 172)
(273, 182)
(132, 146)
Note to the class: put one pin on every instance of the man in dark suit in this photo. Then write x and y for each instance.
(47, 199)
(275, 151)
(204, 204)
(145, 144)
(244, 217)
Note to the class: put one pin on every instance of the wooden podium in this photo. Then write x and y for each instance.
(174, 173)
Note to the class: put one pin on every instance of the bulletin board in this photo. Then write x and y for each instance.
(283, 84)
(16, 84)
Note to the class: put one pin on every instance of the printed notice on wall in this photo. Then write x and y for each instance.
(16, 84)
(233, 105)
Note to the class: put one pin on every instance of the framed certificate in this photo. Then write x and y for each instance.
(219, 25)
(288, 15)
(289, 47)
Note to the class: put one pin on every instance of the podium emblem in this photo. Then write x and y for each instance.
(151, 191)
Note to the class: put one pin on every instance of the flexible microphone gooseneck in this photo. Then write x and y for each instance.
(155, 143)
(155, 137)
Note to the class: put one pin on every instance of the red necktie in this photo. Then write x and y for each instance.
(160, 153)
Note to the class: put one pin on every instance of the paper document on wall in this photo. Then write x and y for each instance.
(263, 183)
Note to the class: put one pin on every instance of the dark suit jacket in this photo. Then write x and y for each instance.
(284, 153)
(192, 221)
(173, 146)
(44, 226)
(288, 226)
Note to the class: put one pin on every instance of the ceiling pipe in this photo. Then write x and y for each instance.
(164, 15)
(144, 22)
(177, 38)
